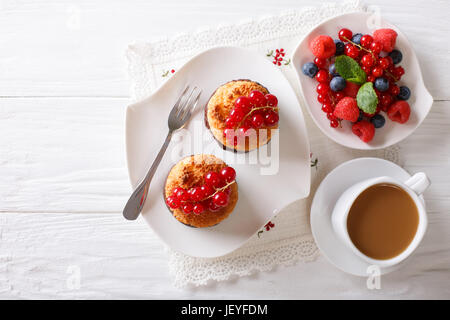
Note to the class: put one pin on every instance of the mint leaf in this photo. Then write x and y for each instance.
(367, 98)
(349, 69)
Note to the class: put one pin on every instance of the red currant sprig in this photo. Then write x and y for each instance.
(367, 44)
(252, 111)
(212, 195)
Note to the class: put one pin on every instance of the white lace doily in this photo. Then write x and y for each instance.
(287, 238)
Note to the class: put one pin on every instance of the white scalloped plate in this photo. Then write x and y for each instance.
(420, 100)
(260, 196)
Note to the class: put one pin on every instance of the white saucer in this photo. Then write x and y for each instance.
(330, 189)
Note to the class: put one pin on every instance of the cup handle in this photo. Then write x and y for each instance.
(418, 182)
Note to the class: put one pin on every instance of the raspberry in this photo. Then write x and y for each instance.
(351, 89)
(386, 37)
(364, 130)
(399, 111)
(347, 109)
(322, 47)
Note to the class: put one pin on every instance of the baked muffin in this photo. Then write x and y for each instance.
(201, 190)
(240, 114)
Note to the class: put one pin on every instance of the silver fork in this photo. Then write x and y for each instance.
(178, 117)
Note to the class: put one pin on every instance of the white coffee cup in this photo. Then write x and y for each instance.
(414, 186)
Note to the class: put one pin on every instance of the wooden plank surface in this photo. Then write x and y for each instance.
(63, 93)
(68, 48)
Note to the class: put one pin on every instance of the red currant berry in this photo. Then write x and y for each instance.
(339, 95)
(198, 208)
(334, 123)
(323, 98)
(229, 133)
(385, 99)
(389, 59)
(394, 90)
(345, 34)
(271, 118)
(196, 194)
(228, 174)
(321, 63)
(257, 121)
(323, 88)
(230, 123)
(227, 191)
(257, 98)
(271, 100)
(327, 108)
(399, 71)
(176, 190)
(370, 78)
(351, 51)
(243, 103)
(212, 206)
(220, 199)
(244, 131)
(376, 47)
(237, 115)
(377, 72)
(188, 207)
(366, 69)
(366, 40)
(322, 76)
(206, 190)
(331, 116)
(383, 63)
(248, 122)
(367, 60)
(182, 195)
(173, 202)
(213, 179)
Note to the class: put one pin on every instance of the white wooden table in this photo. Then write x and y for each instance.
(63, 93)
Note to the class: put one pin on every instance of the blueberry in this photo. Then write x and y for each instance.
(404, 94)
(339, 47)
(381, 84)
(332, 69)
(357, 38)
(396, 56)
(378, 121)
(310, 69)
(337, 83)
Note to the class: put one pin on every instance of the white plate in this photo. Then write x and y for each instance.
(393, 132)
(330, 189)
(260, 196)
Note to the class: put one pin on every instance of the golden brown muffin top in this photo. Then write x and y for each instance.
(220, 105)
(188, 173)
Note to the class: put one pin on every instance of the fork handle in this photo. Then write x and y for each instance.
(137, 200)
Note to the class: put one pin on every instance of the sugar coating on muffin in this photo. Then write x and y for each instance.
(190, 172)
(220, 105)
